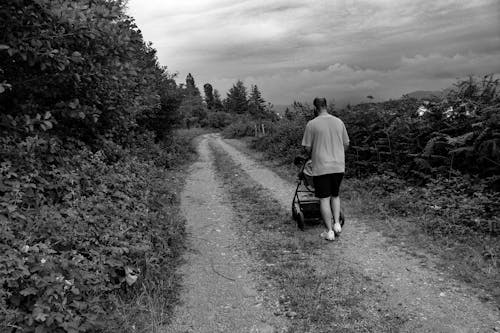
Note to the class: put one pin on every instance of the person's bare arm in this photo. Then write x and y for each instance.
(307, 141)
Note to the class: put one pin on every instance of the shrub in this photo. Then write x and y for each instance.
(76, 237)
(218, 120)
(84, 62)
(283, 141)
(240, 128)
(87, 210)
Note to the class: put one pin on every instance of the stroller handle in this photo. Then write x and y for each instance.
(299, 161)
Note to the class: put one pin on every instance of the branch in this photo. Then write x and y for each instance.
(220, 274)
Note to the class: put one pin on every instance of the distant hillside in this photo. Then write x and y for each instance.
(425, 94)
(281, 108)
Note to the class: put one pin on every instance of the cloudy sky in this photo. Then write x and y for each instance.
(341, 49)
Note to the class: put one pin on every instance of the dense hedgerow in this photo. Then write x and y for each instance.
(76, 238)
(83, 66)
(88, 215)
(414, 139)
(449, 145)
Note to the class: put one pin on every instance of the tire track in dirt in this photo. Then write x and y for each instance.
(218, 291)
(434, 302)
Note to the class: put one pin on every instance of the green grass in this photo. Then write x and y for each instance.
(315, 299)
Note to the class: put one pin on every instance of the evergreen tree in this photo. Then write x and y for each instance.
(236, 101)
(209, 96)
(256, 104)
(190, 86)
(218, 106)
(192, 109)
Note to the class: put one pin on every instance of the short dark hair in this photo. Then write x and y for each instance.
(319, 103)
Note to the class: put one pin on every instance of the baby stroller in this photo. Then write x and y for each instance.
(305, 206)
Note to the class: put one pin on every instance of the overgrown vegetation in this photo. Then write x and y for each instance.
(88, 217)
(449, 146)
(434, 164)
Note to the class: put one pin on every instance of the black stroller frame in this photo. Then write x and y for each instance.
(305, 205)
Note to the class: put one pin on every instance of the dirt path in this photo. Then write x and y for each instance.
(435, 303)
(218, 291)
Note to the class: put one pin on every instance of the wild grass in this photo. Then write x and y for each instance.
(402, 216)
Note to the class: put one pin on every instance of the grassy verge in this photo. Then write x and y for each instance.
(150, 310)
(464, 254)
(317, 294)
(469, 256)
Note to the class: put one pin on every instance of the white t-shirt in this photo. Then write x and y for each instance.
(327, 136)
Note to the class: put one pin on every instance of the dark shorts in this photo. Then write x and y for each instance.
(327, 185)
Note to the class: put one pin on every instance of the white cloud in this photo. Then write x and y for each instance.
(346, 48)
(351, 84)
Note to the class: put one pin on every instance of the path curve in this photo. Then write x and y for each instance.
(219, 293)
(435, 303)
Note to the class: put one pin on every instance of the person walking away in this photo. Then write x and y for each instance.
(325, 139)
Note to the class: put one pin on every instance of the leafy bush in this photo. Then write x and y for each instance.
(241, 127)
(284, 140)
(77, 237)
(218, 120)
(85, 63)
(459, 132)
(464, 202)
(461, 203)
(451, 151)
(87, 210)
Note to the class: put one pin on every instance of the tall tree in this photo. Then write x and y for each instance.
(236, 101)
(209, 96)
(218, 106)
(256, 104)
(192, 109)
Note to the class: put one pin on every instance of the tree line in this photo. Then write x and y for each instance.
(212, 111)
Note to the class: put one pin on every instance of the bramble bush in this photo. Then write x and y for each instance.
(85, 63)
(77, 237)
(218, 120)
(244, 126)
(284, 140)
(88, 212)
(440, 148)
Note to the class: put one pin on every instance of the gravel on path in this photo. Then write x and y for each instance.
(435, 303)
(219, 293)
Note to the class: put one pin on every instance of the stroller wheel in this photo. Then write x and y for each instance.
(300, 220)
(294, 212)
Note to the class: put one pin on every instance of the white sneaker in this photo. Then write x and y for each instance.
(328, 235)
(337, 228)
